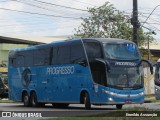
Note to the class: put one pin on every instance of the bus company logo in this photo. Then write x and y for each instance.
(125, 64)
(60, 70)
(26, 77)
(6, 114)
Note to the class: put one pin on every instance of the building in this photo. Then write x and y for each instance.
(153, 52)
(7, 44)
(45, 39)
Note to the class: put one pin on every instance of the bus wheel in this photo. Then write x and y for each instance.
(34, 102)
(119, 106)
(87, 101)
(26, 100)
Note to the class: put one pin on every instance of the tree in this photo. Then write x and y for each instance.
(108, 22)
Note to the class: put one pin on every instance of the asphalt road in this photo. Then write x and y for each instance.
(72, 110)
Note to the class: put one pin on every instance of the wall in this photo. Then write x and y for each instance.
(4, 51)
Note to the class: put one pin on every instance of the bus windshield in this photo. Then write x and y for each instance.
(121, 51)
(125, 77)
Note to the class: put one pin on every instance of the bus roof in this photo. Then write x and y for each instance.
(109, 40)
(64, 42)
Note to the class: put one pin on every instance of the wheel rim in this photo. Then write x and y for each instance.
(33, 100)
(85, 100)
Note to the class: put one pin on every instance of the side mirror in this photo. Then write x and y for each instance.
(149, 63)
(104, 62)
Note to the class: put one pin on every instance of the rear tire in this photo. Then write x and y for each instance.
(26, 100)
(87, 102)
(34, 102)
(119, 106)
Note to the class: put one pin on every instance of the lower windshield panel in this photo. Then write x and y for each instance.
(125, 78)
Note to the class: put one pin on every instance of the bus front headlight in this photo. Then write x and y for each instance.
(110, 99)
(142, 93)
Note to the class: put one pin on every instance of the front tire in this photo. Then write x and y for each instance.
(119, 106)
(87, 101)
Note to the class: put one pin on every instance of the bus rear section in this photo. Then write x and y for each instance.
(56, 73)
(84, 71)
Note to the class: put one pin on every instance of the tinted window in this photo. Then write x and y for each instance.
(61, 55)
(19, 61)
(93, 50)
(28, 58)
(77, 53)
(54, 55)
(16, 59)
(41, 56)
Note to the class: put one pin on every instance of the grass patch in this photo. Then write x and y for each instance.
(151, 98)
(7, 101)
(105, 118)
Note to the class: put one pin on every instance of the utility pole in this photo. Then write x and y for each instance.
(135, 22)
(148, 49)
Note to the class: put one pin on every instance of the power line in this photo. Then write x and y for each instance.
(150, 14)
(149, 18)
(37, 13)
(84, 2)
(33, 5)
(59, 5)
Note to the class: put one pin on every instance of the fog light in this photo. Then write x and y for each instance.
(110, 99)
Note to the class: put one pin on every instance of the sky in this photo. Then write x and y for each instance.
(61, 17)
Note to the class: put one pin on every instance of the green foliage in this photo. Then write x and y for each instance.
(108, 22)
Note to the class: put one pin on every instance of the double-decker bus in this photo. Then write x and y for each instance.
(157, 80)
(86, 71)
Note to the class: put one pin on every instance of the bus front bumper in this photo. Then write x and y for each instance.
(121, 98)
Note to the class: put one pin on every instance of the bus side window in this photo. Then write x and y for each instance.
(61, 55)
(28, 58)
(77, 53)
(93, 50)
(19, 61)
(54, 55)
(41, 56)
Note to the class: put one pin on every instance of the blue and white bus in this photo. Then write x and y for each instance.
(85, 71)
